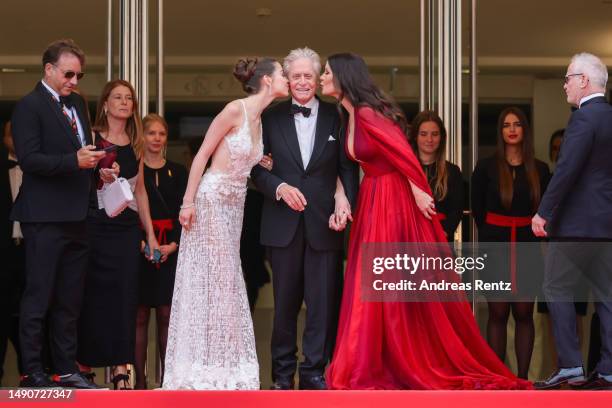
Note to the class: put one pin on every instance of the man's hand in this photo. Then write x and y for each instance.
(292, 197)
(537, 226)
(88, 157)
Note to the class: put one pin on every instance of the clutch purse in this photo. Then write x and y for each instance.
(115, 197)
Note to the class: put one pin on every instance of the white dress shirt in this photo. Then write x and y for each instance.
(71, 114)
(589, 97)
(305, 127)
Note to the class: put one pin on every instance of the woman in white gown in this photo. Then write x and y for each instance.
(211, 344)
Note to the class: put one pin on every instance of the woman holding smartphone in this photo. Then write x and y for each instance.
(107, 325)
(165, 182)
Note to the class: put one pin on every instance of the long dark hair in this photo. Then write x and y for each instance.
(352, 78)
(506, 182)
(440, 185)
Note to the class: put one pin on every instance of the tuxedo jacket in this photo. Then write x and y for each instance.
(317, 182)
(54, 189)
(578, 200)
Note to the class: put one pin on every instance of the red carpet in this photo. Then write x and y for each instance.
(320, 399)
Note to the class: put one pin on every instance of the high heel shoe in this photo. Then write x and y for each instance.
(121, 377)
(90, 375)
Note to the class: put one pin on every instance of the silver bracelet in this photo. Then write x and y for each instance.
(183, 206)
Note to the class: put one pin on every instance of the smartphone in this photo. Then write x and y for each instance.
(107, 149)
(156, 254)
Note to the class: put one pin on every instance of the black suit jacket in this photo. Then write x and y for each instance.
(54, 189)
(578, 200)
(317, 182)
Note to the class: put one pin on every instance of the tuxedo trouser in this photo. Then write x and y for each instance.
(566, 264)
(300, 273)
(56, 263)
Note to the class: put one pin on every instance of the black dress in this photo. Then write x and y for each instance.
(165, 189)
(450, 209)
(486, 200)
(107, 325)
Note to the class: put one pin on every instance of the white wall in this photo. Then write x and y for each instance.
(550, 112)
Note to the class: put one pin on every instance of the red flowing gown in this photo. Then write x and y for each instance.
(402, 345)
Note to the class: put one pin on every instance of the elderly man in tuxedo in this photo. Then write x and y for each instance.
(53, 142)
(302, 135)
(576, 213)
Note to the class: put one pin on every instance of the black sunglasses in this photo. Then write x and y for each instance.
(70, 74)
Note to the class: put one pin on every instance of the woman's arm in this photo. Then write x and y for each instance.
(342, 212)
(393, 144)
(220, 126)
(424, 201)
(144, 211)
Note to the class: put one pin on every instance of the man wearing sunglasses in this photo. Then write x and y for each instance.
(55, 150)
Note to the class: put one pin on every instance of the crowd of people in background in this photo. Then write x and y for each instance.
(78, 285)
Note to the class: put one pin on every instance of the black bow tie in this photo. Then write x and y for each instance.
(300, 109)
(66, 101)
(12, 163)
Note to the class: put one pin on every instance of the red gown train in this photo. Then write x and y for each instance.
(402, 345)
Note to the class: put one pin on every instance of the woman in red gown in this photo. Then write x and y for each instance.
(397, 345)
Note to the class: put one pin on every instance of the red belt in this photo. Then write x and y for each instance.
(161, 227)
(512, 223)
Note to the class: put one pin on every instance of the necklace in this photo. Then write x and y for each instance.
(157, 164)
(515, 161)
(119, 140)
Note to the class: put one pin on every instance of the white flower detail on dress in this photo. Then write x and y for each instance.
(211, 343)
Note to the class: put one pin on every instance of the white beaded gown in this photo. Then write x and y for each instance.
(211, 344)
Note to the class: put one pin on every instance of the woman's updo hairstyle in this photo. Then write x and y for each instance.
(249, 72)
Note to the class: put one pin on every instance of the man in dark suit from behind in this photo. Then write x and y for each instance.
(54, 149)
(305, 254)
(576, 213)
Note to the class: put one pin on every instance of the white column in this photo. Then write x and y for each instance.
(449, 74)
(440, 70)
(134, 51)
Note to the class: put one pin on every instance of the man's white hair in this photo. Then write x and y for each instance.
(592, 66)
(303, 53)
